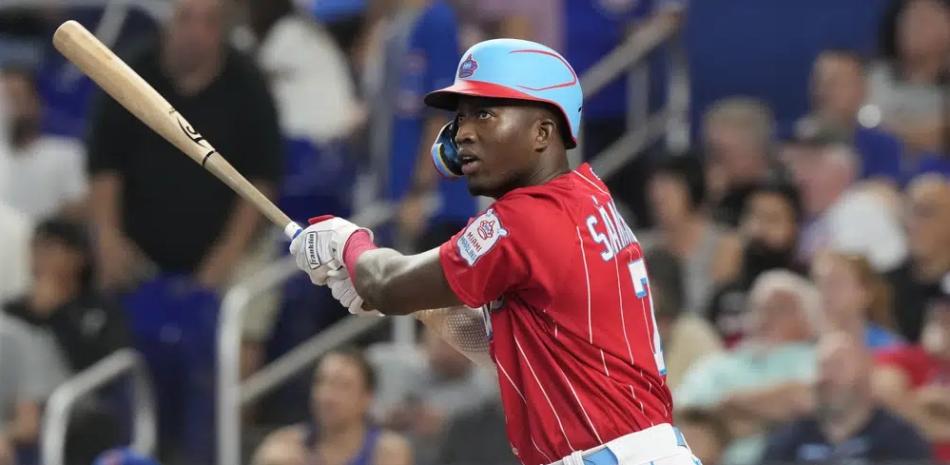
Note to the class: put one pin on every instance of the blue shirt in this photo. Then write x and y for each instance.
(429, 62)
(927, 163)
(592, 29)
(880, 153)
(884, 438)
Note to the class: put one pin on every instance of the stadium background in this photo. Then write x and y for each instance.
(740, 137)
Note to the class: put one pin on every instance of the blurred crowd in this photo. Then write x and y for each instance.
(800, 267)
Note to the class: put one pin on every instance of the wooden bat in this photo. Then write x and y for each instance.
(115, 77)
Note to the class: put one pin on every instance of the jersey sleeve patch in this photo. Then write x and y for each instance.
(480, 236)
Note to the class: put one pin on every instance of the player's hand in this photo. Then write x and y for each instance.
(343, 291)
(319, 248)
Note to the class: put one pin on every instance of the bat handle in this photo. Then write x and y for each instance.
(292, 230)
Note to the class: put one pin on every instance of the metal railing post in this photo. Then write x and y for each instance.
(61, 402)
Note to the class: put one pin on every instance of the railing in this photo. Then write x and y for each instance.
(670, 121)
(64, 398)
(232, 393)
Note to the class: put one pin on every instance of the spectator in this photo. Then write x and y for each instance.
(709, 256)
(516, 19)
(339, 431)
(707, 434)
(62, 299)
(417, 45)
(62, 305)
(14, 253)
(448, 387)
(768, 229)
(151, 205)
(30, 369)
(687, 337)
(910, 88)
(839, 214)
(737, 139)
(141, 186)
(914, 381)
(767, 379)
(839, 90)
(928, 232)
(40, 175)
(6, 452)
(848, 424)
(856, 299)
(304, 66)
(589, 31)
(477, 437)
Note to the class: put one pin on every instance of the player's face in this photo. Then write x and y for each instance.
(496, 140)
(340, 394)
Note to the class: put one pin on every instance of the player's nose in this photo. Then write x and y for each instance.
(465, 134)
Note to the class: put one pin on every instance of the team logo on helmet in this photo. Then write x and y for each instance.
(468, 67)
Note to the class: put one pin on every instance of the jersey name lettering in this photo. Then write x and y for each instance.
(617, 234)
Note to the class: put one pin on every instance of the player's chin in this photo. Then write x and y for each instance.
(477, 186)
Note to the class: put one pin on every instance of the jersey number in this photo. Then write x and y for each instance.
(641, 286)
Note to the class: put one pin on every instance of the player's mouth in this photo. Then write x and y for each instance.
(470, 163)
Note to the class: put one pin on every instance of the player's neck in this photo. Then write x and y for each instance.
(547, 169)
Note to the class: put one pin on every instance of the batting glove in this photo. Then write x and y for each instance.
(343, 291)
(319, 249)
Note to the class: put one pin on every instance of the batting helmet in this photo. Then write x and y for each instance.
(511, 69)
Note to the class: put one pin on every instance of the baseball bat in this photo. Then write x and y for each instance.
(115, 77)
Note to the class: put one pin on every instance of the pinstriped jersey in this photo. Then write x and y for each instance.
(562, 280)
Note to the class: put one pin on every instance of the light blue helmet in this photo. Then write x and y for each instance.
(513, 69)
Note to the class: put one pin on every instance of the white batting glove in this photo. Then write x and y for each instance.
(319, 248)
(343, 290)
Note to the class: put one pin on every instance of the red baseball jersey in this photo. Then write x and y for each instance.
(562, 280)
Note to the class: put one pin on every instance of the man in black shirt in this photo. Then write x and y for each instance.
(928, 232)
(847, 426)
(151, 203)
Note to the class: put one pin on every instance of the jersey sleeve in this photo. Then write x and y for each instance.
(517, 244)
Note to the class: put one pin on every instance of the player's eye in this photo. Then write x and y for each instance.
(484, 114)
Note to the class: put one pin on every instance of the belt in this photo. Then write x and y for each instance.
(640, 447)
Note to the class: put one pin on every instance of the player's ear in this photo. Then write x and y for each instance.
(545, 133)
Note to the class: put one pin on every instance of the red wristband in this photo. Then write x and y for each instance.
(358, 243)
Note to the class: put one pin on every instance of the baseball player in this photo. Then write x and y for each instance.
(557, 273)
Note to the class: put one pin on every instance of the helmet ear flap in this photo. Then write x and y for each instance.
(445, 154)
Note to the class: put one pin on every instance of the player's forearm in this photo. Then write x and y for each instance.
(397, 284)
